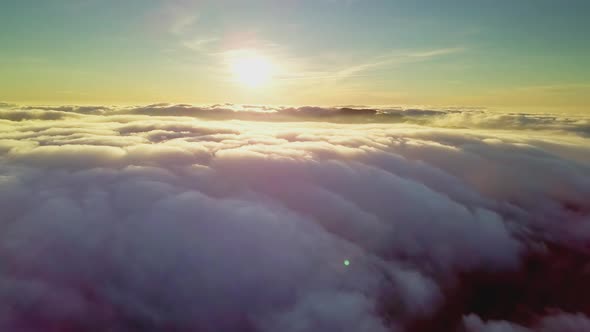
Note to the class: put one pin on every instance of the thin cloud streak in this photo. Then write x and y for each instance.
(366, 69)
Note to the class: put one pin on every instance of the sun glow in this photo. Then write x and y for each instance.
(252, 70)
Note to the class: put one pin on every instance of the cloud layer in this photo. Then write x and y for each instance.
(446, 118)
(239, 218)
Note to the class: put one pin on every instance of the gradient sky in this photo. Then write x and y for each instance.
(497, 54)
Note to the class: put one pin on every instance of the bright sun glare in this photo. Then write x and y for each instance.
(252, 70)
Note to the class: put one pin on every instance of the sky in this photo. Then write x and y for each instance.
(294, 166)
(517, 55)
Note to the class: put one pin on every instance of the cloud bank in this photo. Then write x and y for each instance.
(239, 218)
(445, 117)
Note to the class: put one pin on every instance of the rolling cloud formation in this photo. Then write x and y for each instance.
(239, 218)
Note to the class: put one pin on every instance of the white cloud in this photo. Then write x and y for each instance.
(176, 217)
(558, 322)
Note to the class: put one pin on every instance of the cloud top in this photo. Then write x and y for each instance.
(183, 218)
(452, 117)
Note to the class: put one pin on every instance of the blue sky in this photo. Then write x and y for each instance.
(499, 54)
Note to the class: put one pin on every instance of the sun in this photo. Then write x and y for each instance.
(251, 70)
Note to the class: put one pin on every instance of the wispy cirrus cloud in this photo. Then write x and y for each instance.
(436, 52)
(200, 44)
(371, 67)
(175, 18)
(183, 23)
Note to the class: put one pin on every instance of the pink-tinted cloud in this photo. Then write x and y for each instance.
(182, 218)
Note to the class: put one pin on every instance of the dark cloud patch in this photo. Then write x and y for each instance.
(21, 115)
(555, 322)
(322, 112)
(153, 219)
(90, 110)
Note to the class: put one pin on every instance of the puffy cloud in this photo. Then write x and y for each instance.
(183, 218)
(558, 322)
